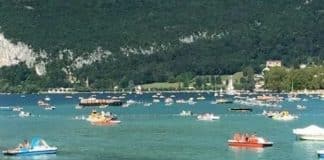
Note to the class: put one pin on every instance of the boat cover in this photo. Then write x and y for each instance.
(310, 130)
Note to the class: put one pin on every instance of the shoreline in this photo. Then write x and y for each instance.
(234, 92)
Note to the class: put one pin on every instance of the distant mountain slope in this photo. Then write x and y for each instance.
(148, 41)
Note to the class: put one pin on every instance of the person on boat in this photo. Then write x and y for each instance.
(247, 136)
(253, 138)
(25, 144)
(243, 138)
(237, 136)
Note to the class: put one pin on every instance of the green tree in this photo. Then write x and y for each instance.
(198, 82)
(213, 81)
(219, 80)
(275, 79)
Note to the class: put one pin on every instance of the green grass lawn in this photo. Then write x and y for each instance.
(236, 77)
(160, 85)
(172, 86)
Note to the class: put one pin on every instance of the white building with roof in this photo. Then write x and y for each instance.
(273, 63)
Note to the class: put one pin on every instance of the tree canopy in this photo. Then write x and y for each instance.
(172, 39)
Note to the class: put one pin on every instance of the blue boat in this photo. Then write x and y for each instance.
(37, 147)
(320, 153)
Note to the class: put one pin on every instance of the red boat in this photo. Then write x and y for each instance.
(249, 141)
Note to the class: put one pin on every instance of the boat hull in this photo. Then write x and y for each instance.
(250, 145)
(207, 117)
(241, 109)
(224, 102)
(29, 153)
(320, 154)
(311, 137)
(106, 123)
(290, 118)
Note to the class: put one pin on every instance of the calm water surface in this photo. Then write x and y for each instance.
(156, 132)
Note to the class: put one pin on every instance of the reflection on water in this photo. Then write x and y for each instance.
(34, 157)
(246, 149)
(308, 148)
(241, 152)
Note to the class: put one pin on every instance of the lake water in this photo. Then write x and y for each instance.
(156, 132)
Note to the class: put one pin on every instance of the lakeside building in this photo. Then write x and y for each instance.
(60, 90)
(273, 63)
(259, 82)
(259, 78)
(302, 66)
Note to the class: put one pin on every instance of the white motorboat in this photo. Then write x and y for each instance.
(47, 98)
(301, 107)
(156, 100)
(42, 103)
(130, 102)
(191, 101)
(121, 97)
(78, 106)
(184, 113)
(181, 101)
(147, 104)
(322, 96)
(223, 101)
(49, 107)
(168, 100)
(292, 97)
(17, 109)
(24, 114)
(68, 97)
(269, 114)
(207, 117)
(103, 106)
(125, 105)
(320, 154)
(201, 98)
(311, 132)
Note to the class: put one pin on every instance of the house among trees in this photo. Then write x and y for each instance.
(259, 82)
(60, 90)
(259, 78)
(273, 63)
(302, 66)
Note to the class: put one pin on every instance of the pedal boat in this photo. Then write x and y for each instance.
(257, 142)
(38, 147)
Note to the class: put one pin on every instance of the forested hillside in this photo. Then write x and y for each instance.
(118, 42)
